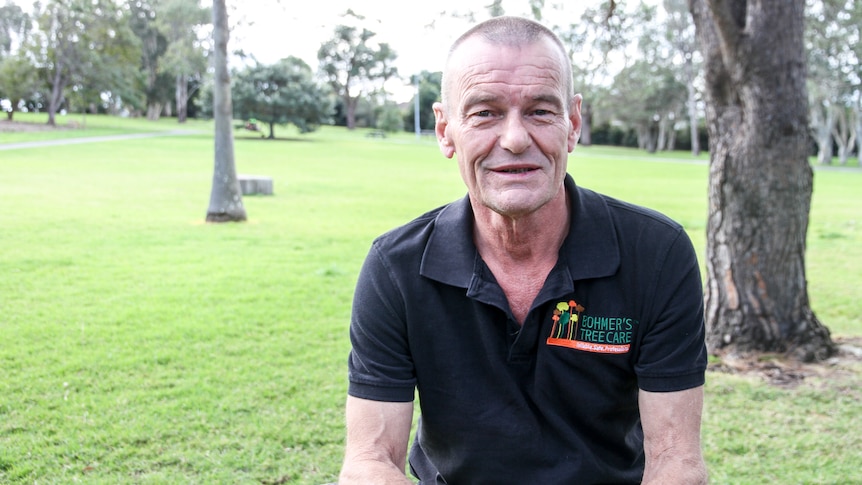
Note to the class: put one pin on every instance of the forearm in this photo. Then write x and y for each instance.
(671, 425)
(377, 434)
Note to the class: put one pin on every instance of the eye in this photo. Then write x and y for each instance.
(484, 113)
(541, 112)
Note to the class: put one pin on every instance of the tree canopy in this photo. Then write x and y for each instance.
(281, 93)
(355, 66)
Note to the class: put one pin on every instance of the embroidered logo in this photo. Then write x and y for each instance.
(603, 335)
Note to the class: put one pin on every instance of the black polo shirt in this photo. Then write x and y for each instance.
(554, 400)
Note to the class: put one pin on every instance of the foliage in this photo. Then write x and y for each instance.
(645, 95)
(86, 45)
(14, 25)
(430, 84)
(141, 345)
(354, 65)
(391, 119)
(179, 21)
(281, 93)
(18, 81)
(834, 55)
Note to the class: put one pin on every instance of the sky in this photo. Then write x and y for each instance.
(420, 32)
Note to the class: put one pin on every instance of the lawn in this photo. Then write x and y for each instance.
(141, 345)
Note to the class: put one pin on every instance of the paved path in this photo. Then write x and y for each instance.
(92, 139)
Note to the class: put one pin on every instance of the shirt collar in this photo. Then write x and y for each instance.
(591, 250)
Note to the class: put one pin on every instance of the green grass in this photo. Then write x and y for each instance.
(141, 345)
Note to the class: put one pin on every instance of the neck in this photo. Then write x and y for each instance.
(529, 239)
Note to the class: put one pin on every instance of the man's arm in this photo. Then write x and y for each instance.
(377, 435)
(671, 425)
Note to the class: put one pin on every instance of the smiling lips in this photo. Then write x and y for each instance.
(514, 170)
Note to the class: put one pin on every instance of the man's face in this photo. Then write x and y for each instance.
(507, 122)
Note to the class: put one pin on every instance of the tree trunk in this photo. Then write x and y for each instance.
(225, 198)
(154, 110)
(692, 107)
(182, 97)
(58, 83)
(823, 120)
(350, 111)
(760, 182)
(586, 124)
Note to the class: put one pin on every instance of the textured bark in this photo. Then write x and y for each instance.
(760, 181)
(225, 198)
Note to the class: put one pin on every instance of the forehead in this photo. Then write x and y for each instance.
(479, 65)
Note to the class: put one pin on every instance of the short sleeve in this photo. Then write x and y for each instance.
(672, 354)
(380, 366)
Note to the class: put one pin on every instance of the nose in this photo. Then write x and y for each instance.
(514, 136)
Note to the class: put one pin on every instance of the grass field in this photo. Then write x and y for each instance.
(141, 345)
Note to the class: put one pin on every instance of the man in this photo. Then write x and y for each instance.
(554, 335)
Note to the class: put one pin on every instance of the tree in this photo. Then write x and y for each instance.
(833, 74)
(390, 118)
(600, 32)
(225, 196)
(184, 58)
(354, 66)
(646, 97)
(14, 25)
(18, 81)
(429, 92)
(156, 85)
(760, 181)
(680, 33)
(284, 92)
(87, 44)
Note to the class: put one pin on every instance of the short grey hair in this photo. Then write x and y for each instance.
(511, 31)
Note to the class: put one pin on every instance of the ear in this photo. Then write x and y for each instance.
(575, 122)
(441, 122)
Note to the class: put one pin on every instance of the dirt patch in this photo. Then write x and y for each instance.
(7, 126)
(843, 371)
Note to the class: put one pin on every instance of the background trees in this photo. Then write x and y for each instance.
(429, 92)
(636, 64)
(354, 66)
(86, 45)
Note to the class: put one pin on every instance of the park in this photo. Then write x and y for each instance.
(142, 345)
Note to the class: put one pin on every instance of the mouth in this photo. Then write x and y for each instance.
(515, 170)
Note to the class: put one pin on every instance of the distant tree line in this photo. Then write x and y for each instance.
(639, 68)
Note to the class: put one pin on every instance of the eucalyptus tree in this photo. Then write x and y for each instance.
(832, 42)
(85, 44)
(760, 181)
(602, 33)
(354, 65)
(680, 34)
(225, 196)
(14, 26)
(180, 22)
(155, 84)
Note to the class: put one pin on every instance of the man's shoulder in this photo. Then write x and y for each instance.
(626, 213)
(412, 234)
